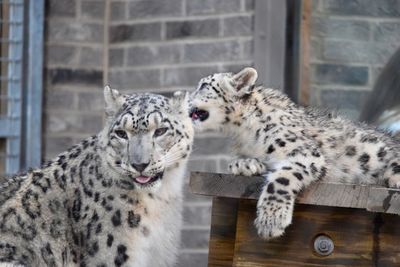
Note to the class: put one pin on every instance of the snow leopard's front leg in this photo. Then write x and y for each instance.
(276, 202)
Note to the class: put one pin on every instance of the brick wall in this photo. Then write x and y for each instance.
(74, 72)
(351, 41)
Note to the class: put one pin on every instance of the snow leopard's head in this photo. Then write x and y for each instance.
(217, 96)
(145, 137)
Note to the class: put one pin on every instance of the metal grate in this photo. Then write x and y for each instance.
(11, 50)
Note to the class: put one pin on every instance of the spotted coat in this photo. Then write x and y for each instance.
(91, 205)
(290, 145)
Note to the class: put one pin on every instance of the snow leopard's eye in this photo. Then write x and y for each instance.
(160, 131)
(121, 134)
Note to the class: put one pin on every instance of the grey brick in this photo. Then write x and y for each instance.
(315, 5)
(315, 96)
(211, 52)
(58, 54)
(248, 50)
(188, 76)
(202, 165)
(116, 57)
(249, 5)
(339, 28)
(118, 11)
(74, 31)
(59, 99)
(339, 74)
(135, 79)
(223, 165)
(195, 7)
(192, 260)
(135, 32)
(73, 123)
(91, 57)
(376, 72)
(150, 55)
(91, 101)
(212, 146)
(234, 68)
(358, 52)
(381, 8)
(238, 26)
(154, 8)
(315, 48)
(194, 28)
(387, 32)
(195, 239)
(60, 8)
(75, 76)
(93, 9)
(56, 145)
(197, 215)
(190, 197)
(343, 99)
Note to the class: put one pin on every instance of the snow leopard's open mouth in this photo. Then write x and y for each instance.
(145, 180)
(199, 114)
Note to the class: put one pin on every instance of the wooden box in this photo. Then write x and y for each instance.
(333, 225)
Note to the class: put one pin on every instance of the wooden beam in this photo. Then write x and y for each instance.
(371, 198)
(223, 232)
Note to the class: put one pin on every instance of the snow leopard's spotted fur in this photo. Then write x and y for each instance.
(87, 208)
(290, 145)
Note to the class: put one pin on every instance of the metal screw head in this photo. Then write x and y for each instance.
(323, 245)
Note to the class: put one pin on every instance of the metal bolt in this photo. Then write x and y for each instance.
(323, 245)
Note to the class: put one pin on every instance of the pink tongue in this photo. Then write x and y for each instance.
(142, 179)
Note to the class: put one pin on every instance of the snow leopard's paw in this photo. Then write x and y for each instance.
(247, 167)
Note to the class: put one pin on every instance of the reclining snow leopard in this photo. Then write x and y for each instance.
(115, 199)
(291, 145)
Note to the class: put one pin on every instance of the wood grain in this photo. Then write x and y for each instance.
(223, 232)
(372, 198)
(361, 238)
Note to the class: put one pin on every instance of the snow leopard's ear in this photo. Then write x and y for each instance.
(113, 100)
(244, 79)
(180, 102)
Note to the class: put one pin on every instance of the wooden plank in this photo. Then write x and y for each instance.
(337, 195)
(270, 42)
(225, 185)
(360, 238)
(321, 194)
(384, 200)
(223, 232)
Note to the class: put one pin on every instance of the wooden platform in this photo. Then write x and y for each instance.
(340, 213)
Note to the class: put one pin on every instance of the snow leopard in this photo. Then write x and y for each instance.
(291, 146)
(115, 199)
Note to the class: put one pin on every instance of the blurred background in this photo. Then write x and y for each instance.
(56, 56)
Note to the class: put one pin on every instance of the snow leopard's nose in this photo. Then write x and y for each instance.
(140, 166)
